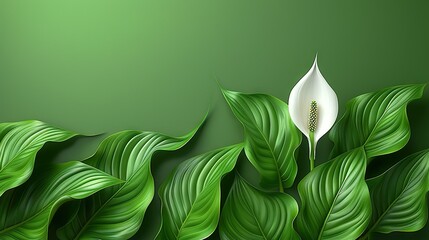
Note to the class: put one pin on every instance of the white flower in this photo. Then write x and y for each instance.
(313, 107)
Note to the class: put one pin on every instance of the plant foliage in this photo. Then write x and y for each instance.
(115, 186)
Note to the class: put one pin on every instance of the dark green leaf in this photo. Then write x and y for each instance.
(399, 196)
(377, 121)
(27, 211)
(271, 138)
(117, 212)
(252, 214)
(19, 144)
(335, 199)
(191, 195)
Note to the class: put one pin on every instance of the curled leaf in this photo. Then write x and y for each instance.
(376, 121)
(19, 144)
(271, 138)
(117, 212)
(27, 211)
(191, 195)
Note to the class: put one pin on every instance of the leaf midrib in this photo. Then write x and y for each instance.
(19, 153)
(38, 148)
(109, 199)
(387, 210)
(267, 142)
(381, 216)
(331, 208)
(275, 158)
(96, 212)
(247, 204)
(148, 161)
(196, 199)
(51, 204)
(259, 225)
(190, 210)
(381, 117)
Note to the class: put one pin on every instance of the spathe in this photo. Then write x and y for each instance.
(313, 87)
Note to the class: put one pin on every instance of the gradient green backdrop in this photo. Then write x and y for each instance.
(97, 66)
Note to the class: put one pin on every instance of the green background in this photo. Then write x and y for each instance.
(105, 66)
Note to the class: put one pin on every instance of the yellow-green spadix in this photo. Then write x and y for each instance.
(313, 106)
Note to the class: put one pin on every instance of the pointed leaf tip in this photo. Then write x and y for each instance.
(271, 138)
(377, 121)
(126, 155)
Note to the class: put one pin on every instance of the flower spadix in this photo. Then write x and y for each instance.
(313, 106)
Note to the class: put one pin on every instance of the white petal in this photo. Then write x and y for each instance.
(313, 87)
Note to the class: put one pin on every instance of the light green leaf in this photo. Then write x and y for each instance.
(271, 138)
(335, 199)
(377, 121)
(191, 195)
(399, 196)
(252, 214)
(117, 212)
(19, 144)
(27, 211)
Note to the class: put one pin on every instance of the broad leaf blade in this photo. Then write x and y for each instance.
(19, 144)
(191, 195)
(117, 212)
(335, 199)
(271, 138)
(252, 214)
(377, 121)
(399, 196)
(27, 211)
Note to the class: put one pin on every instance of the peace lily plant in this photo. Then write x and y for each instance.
(313, 107)
(115, 186)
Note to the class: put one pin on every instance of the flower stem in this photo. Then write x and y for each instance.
(312, 152)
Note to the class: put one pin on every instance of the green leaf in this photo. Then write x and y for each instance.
(191, 195)
(19, 144)
(335, 199)
(27, 211)
(117, 212)
(377, 121)
(271, 138)
(252, 214)
(399, 196)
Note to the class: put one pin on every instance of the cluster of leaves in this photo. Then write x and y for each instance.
(116, 186)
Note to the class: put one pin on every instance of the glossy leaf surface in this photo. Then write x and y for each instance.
(271, 138)
(252, 214)
(117, 212)
(399, 196)
(19, 144)
(191, 195)
(26, 211)
(377, 121)
(335, 199)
